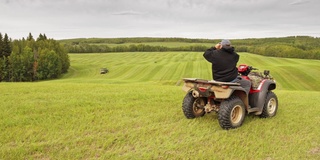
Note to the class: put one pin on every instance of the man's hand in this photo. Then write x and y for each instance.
(218, 46)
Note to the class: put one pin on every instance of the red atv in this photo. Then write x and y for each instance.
(230, 100)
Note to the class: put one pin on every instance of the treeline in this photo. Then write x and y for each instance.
(133, 40)
(31, 59)
(303, 47)
(87, 48)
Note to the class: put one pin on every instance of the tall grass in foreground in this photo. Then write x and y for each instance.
(134, 112)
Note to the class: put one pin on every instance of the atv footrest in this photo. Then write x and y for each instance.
(253, 109)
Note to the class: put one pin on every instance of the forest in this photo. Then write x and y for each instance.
(30, 59)
(303, 47)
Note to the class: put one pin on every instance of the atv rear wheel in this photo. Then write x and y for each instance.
(193, 107)
(231, 113)
(270, 106)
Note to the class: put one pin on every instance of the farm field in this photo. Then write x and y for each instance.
(134, 112)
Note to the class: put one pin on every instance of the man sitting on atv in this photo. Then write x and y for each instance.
(224, 64)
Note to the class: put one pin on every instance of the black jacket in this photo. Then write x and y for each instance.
(224, 63)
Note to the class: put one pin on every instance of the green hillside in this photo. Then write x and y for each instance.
(171, 67)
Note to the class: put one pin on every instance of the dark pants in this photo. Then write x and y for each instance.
(246, 84)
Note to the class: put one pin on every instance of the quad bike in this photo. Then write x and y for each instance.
(229, 100)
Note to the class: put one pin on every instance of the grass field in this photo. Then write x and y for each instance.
(134, 112)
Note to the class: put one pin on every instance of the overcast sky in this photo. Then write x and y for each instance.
(212, 19)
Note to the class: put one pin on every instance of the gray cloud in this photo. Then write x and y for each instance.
(122, 13)
(299, 2)
(160, 18)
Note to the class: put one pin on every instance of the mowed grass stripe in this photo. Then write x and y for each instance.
(302, 81)
(282, 78)
(128, 72)
(168, 72)
(150, 73)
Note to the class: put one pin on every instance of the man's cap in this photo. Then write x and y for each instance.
(225, 43)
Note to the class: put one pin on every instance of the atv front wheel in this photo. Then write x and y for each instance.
(193, 107)
(270, 106)
(231, 113)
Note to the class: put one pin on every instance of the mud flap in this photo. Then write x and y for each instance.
(241, 93)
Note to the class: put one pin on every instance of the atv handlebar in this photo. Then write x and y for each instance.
(251, 68)
(244, 69)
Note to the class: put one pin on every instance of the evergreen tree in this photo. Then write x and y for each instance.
(40, 37)
(6, 49)
(2, 69)
(1, 46)
(45, 37)
(30, 37)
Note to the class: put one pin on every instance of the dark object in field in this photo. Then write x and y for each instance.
(104, 70)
